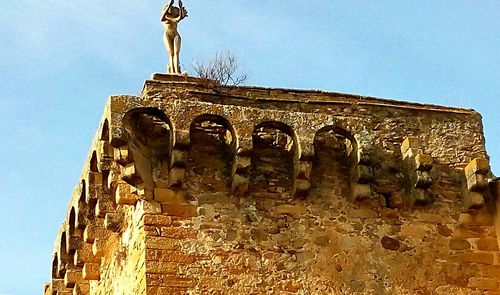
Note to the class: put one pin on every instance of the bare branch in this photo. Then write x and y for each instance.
(223, 68)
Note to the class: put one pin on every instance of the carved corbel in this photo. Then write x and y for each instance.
(477, 173)
(417, 168)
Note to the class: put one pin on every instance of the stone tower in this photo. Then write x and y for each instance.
(197, 188)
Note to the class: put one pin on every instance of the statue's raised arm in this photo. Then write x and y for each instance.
(183, 12)
(171, 16)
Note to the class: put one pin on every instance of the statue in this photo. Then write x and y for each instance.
(171, 16)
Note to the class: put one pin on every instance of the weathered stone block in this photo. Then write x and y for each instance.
(473, 201)
(81, 288)
(390, 243)
(74, 243)
(490, 271)
(409, 142)
(157, 220)
(360, 191)
(481, 218)
(423, 162)
(179, 158)
(131, 176)
(94, 179)
(477, 166)
(363, 213)
(411, 153)
(124, 196)
(81, 220)
(459, 244)
(293, 210)
(91, 271)
(84, 255)
(479, 257)
(176, 177)
(361, 174)
(423, 179)
(103, 207)
(239, 185)
(99, 247)
(487, 244)
(148, 207)
(419, 197)
(104, 150)
(396, 200)
(122, 155)
(178, 233)
(483, 283)
(89, 234)
(180, 210)
(494, 187)
(113, 222)
(71, 277)
(242, 164)
(304, 169)
(363, 156)
(477, 182)
(162, 243)
(165, 195)
(162, 267)
(302, 187)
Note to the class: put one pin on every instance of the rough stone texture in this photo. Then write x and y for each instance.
(196, 188)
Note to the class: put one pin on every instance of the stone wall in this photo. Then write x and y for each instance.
(195, 188)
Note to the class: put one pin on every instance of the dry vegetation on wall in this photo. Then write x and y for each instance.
(223, 68)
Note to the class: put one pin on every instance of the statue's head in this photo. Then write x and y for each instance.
(173, 11)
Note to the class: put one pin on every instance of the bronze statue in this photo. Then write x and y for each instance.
(171, 16)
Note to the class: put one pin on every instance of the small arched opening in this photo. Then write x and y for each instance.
(211, 152)
(333, 150)
(63, 256)
(55, 263)
(93, 162)
(150, 142)
(273, 160)
(105, 131)
(83, 193)
(72, 222)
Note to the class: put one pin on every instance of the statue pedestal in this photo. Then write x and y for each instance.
(176, 78)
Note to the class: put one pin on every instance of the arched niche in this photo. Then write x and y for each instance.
(150, 142)
(211, 152)
(63, 256)
(105, 130)
(333, 151)
(83, 194)
(273, 159)
(72, 222)
(55, 262)
(93, 162)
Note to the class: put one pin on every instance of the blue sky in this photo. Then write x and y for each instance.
(60, 60)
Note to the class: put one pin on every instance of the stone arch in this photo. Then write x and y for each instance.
(72, 221)
(93, 162)
(334, 148)
(55, 262)
(211, 152)
(63, 255)
(105, 130)
(83, 193)
(150, 133)
(274, 158)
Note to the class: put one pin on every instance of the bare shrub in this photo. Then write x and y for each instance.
(223, 68)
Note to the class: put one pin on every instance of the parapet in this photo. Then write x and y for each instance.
(199, 188)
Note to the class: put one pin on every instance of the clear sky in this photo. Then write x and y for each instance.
(60, 59)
